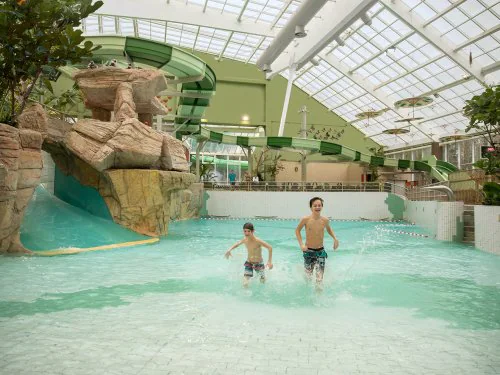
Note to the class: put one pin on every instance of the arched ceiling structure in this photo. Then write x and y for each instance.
(358, 59)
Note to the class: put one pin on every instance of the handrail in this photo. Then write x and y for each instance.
(290, 186)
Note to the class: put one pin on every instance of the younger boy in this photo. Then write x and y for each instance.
(254, 258)
(313, 250)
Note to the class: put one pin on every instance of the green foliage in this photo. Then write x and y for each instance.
(37, 37)
(484, 113)
(491, 191)
(67, 102)
(483, 109)
(490, 165)
(206, 169)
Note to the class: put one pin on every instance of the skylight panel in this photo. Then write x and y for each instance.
(456, 17)
(470, 29)
(424, 11)
(382, 42)
(442, 25)
(430, 51)
(471, 8)
(486, 20)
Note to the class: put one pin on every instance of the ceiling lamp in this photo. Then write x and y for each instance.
(370, 114)
(300, 32)
(396, 131)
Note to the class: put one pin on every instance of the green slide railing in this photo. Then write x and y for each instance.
(325, 148)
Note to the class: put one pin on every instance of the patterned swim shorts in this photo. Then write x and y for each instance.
(313, 257)
(259, 268)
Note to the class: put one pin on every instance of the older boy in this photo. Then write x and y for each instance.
(313, 250)
(254, 258)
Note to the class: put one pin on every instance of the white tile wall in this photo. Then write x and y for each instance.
(450, 221)
(422, 213)
(438, 218)
(487, 228)
(348, 205)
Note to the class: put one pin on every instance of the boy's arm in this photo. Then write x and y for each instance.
(228, 253)
(298, 235)
(270, 249)
(330, 232)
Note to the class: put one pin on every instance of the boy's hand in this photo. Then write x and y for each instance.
(335, 244)
(304, 248)
(269, 265)
(228, 254)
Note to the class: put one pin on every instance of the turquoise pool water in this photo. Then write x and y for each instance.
(391, 303)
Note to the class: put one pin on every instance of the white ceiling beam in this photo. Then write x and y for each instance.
(183, 13)
(368, 86)
(444, 12)
(445, 87)
(243, 8)
(477, 37)
(491, 68)
(441, 116)
(399, 9)
(335, 18)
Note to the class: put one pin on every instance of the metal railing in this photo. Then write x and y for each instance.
(307, 186)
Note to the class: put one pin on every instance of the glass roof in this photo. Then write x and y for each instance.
(376, 64)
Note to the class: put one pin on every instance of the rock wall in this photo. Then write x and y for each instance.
(20, 170)
(143, 200)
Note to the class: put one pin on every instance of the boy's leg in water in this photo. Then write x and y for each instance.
(246, 281)
(262, 276)
(309, 264)
(320, 270)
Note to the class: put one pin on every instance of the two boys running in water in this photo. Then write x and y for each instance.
(313, 250)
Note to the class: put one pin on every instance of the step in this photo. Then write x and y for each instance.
(469, 221)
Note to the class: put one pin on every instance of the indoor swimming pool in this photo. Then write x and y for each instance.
(391, 304)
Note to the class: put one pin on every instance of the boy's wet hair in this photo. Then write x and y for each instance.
(248, 226)
(315, 199)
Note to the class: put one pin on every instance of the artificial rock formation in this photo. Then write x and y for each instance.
(100, 88)
(140, 172)
(20, 171)
(142, 200)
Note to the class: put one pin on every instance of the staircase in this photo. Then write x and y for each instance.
(469, 224)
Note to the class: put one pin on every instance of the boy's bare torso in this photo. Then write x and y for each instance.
(315, 231)
(254, 250)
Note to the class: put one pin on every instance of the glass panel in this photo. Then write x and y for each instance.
(452, 153)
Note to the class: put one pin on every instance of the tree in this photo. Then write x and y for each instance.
(266, 163)
(37, 37)
(374, 168)
(484, 114)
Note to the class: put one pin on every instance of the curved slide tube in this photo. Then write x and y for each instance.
(324, 148)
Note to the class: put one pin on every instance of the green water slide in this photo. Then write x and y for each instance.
(439, 169)
(196, 78)
(328, 148)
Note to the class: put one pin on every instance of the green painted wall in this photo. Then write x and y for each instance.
(229, 104)
(243, 90)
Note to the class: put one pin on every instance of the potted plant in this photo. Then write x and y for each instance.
(37, 37)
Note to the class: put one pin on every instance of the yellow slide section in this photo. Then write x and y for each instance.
(76, 250)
